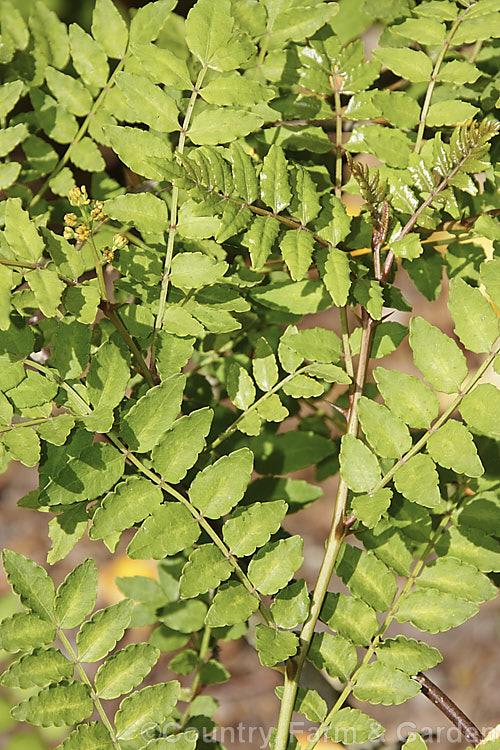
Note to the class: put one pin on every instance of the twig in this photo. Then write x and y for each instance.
(450, 710)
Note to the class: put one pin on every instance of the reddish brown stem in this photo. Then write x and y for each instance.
(450, 710)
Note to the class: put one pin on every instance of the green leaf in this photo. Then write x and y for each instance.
(414, 65)
(250, 527)
(234, 89)
(37, 669)
(23, 445)
(130, 502)
(458, 578)
(450, 112)
(338, 224)
(272, 567)
(337, 276)
(82, 302)
(408, 397)
(22, 631)
(209, 27)
(88, 56)
(414, 742)
(222, 125)
(55, 35)
(184, 741)
(63, 703)
(307, 702)
(149, 104)
(125, 669)
(20, 232)
(379, 683)
(70, 352)
(169, 530)
(274, 646)
(367, 577)
(85, 477)
(302, 386)
(490, 276)
(195, 270)
(265, 369)
(163, 66)
(77, 594)
(369, 508)
(358, 465)
(260, 238)
(452, 447)
(297, 248)
(240, 387)
(86, 155)
(149, 20)
(31, 583)
(471, 546)
(389, 545)
(98, 636)
(204, 570)
(69, 91)
(408, 655)
(350, 725)
(476, 323)
(143, 210)
(418, 481)
(108, 375)
(334, 654)
(434, 611)
(9, 96)
(153, 414)
(386, 433)
(179, 448)
(480, 409)
(93, 735)
(458, 72)
(291, 605)
(330, 373)
(217, 489)
(408, 247)
(65, 530)
(316, 345)
(274, 185)
(151, 705)
(231, 604)
(297, 297)
(437, 356)
(245, 178)
(350, 617)
(109, 28)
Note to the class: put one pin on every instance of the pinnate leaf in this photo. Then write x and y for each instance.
(31, 583)
(274, 564)
(379, 683)
(350, 617)
(153, 414)
(476, 323)
(180, 446)
(418, 481)
(218, 488)
(452, 447)
(333, 653)
(91, 736)
(204, 570)
(169, 530)
(77, 594)
(24, 630)
(434, 611)
(250, 527)
(98, 636)
(437, 356)
(144, 211)
(274, 646)
(408, 655)
(125, 669)
(413, 65)
(386, 433)
(407, 396)
(153, 704)
(63, 703)
(458, 578)
(231, 604)
(291, 605)
(367, 577)
(274, 185)
(42, 666)
(480, 409)
(350, 725)
(109, 28)
(359, 467)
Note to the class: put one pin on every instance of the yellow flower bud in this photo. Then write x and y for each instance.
(119, 241)
(70, 220)
(68, 233)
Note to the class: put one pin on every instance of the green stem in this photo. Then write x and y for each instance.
(28, 423)
(432, 82)
(234, 426)
(97, 703)
(196, 684)
(115, 319)
(174, 206)
(440, 421)
(379, 635)
(198, 518)
(345, 342)
(83, 129)
(96, 256)
(338, 135)
(33, 266)
(333, 546)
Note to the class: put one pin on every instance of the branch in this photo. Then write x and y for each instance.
(450, 710)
